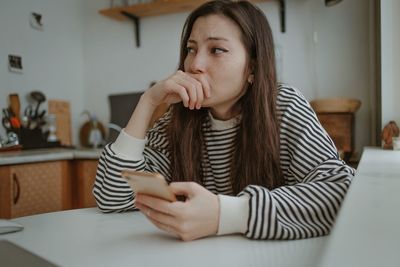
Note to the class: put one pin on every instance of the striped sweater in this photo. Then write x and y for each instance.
(316, 178)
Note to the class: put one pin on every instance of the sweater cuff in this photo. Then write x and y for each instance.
(233, 215)
(129, 147)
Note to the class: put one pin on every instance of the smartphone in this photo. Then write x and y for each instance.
(153, 184)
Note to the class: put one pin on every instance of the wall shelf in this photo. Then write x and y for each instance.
(162, 7)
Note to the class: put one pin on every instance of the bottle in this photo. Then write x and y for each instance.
(95, 138)
(52, 128)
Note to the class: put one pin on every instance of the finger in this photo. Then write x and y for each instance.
(173, 87)
(199, 88)
(200, 97)
(144, 209)
(182, 92)
(190, 87)
(156, 215)
(154, 203)
(183, 188)
(205, 85)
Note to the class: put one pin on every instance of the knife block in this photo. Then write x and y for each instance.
(34, 138)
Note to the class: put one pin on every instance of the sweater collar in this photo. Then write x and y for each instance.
(217, 124)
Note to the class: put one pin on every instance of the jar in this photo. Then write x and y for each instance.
(396, 143)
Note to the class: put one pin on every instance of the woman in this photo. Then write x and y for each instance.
(249, 155)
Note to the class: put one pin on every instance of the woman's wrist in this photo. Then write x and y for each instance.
(140, 119)
(146, 99)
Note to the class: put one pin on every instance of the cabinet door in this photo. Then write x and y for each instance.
(84, 176)
(34, 188)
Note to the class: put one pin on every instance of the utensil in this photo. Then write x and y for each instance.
(15, 105)
(6, 123)
(40, 98)
(9, 121)
(28, 116)
(15, 123)
(25, 121)
(41, 115)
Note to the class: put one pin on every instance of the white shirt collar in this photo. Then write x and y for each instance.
(224, 124)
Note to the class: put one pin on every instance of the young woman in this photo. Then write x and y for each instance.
(249, 155)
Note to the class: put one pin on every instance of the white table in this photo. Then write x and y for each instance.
(367, 232)
(87, 237)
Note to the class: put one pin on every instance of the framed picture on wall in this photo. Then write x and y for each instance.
(15, 63)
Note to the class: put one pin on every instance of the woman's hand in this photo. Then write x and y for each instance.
(191, 89)
(195, 218)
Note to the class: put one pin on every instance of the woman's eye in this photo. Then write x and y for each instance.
(190, 50)
(218, 50)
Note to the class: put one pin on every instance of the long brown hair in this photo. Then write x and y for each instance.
(256, 156)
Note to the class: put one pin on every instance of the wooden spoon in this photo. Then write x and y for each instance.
(15, 104)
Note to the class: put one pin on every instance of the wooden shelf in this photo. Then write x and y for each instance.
(155, 8)
(162, 7)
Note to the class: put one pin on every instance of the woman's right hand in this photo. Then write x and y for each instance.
(191, 89)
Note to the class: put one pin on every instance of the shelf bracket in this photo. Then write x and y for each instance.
(136, 23)
(282, 14)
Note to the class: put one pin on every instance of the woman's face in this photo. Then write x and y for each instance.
(216, 52)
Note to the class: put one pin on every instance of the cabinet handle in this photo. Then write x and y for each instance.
(17, 191)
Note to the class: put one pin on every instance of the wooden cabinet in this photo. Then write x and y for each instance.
(340, 127)
(27, 189)
(84, 174)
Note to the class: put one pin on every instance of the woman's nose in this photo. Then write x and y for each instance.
(197, 63)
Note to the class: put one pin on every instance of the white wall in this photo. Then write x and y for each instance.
(52, 59)
(99, 55)
(113, 64)
(390, 61)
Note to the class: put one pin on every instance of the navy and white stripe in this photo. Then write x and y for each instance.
(316, 179)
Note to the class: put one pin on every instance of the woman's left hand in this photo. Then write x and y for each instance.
(195, 218)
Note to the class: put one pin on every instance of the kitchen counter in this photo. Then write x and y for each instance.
(47, 154)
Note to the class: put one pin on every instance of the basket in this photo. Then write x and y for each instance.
(335, 105)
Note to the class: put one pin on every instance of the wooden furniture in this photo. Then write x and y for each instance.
(84, 174)
(162, 7)
(61, 109)
(28, 189)
(155, 8)
(46, 180)
(336, 115)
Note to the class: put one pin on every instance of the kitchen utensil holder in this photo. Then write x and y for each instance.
(34, 138)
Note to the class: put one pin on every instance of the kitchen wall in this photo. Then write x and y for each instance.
(390, 69)
(83, 57)
(52, 59)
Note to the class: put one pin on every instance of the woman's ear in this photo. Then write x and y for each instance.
(250, 79)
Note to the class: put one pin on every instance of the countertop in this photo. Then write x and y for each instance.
(48, 154)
